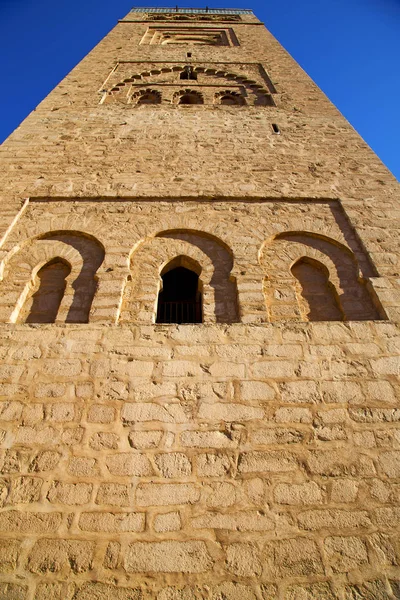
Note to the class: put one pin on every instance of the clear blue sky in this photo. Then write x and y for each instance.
(351, 48)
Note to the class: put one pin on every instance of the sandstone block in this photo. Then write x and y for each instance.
(369, 590)
(10, 411)
(219, 494)
(83, 466)
(69, 493)
(273, 369)
(72, 436)
(345, 553)
(213, 465)
(186, 593)
(284, 435)
(159, 494)
(104, 440)
(208, 439)
(62, 367)
(344, 490)
(181, 368)
(29, 522)
(173, 464)
(37, 435)
(139, 368)
(227, 369)
(167, 522)
(168, 557)
(50, 390)
(266, 462)
(341, 391)
(298, 494)
(112, 555)
(143, 440)
(142, 412)
(292, 558)
(25, 490)
(9, 552)
(99, 413)
(293, 415)
(300, 391)
(320, 591)
(334, 519)
(61, 412)
(129, 464)
(390, 463)
(256, 390)
(52, 556)
(59, 590)
(229, 412)
(386, 366)
(230, 590)
(112, 522)
(239, 521)
(104, 591)
(32, 414)
(243, 560)
(13, 591)
(115, 494)
(11, 372)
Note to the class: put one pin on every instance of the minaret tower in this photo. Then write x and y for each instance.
(199, 309)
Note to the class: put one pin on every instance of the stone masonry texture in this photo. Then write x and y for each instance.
(255, 454)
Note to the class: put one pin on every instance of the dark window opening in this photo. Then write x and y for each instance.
(190, 99)
(231, 100)
(188, 73)
(149, 98)
(180, 299)
(275, 128)
(189, 54)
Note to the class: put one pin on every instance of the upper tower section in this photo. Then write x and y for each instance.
(210, 52)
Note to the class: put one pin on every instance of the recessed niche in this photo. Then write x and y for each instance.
(190, 35)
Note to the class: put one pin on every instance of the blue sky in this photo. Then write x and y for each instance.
(351, 48)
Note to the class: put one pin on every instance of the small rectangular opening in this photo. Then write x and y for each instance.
(189, 54)
(275, 128)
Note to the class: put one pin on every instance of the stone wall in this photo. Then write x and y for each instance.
(217, 461)
(255, 455)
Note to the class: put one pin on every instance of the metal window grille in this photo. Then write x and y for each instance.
(179, 312)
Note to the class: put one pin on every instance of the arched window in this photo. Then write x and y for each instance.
(231, 99)
(180, 299)
(188, 73)
(43, 305)
(189, 97)
(318, 300)
(148, 97)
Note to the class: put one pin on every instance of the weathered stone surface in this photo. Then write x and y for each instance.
(254, 455)
(345, 553)
(157, 494)
(14, 521)
(104, 591)
(52, 556)
(170, 521)
(292, 558)
(129, 464)
(13, 591)
(69, 493)
(243, 560)
(112, 522)
(168, 557)
(173, 464)
(240, 521)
